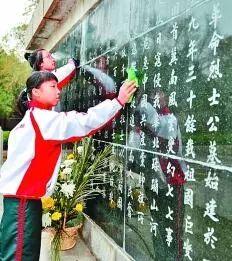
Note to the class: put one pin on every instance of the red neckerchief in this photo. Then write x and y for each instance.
(32, 104)
(164, 111)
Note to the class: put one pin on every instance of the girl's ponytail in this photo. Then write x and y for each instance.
(22, 102)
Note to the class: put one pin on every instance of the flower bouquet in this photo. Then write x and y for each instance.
(80, 172)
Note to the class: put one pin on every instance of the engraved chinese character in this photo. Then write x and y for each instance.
(141, 179)
(123, 70)
(120, 186)
(212, 157)
(129, 210)
(131, 156)
(155, 164)
(133, 65)
(173, 79)
(174, 31)
(146, 43)
(140, 217)
(145, 78)
(144, 101)
(169, 237)
(210, 210)
(189, 175)
(122, 119)
(143, 119)
(132, 105)
(173, 56)
(122, 135)
(193, 24)
(155, 143)
(142, 159)
(214, 42)
(192, 49)
(170, 212)
(145, 63)
(154, 206)
(209, 237)
(129, 194)
(119, 203)
(188, 225)
(191, 74)
(123, 53)
(156, 123)
(171, 169)
(172, 99)
(154, 226)
(211, 122)
(158, 60)
(141, 198)
(157, 80)
(154, 185)
(111, 196)
(216, 15)
(188, 197)
(212, 181)
(190, 98)
(134, 49)
(142, 140)
(188, 249)
(132, 120)
(213, 98)
(214, 72)
(115, 71)
(159, 38)
(190, 124)
(171, 143)
(170, 189)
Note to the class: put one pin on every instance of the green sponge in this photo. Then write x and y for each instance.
(132, 76)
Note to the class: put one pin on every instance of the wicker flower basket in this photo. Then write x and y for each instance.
(69, 236)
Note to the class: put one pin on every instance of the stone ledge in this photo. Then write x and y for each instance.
(101, 245)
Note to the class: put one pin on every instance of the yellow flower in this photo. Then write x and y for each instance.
(70, 156)
(56, 216)
(112, 204)
(79, 207)
(48, 202)
(62, 176)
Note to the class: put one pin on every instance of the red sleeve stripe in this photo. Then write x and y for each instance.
(66, 80)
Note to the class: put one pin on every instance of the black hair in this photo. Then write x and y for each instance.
(35, 59)
(34, 81)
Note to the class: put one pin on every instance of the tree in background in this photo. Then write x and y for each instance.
(13, 70)
(13, 74)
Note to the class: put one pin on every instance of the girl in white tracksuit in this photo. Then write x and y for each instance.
(42, 60)
(34, 154)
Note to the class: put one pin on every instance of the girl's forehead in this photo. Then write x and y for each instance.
(45, 52)
(49, 82)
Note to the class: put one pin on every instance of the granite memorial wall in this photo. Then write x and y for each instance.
(168, 197)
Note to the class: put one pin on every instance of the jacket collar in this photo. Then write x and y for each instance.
(36, 104)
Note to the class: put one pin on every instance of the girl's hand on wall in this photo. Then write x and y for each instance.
(126, 90)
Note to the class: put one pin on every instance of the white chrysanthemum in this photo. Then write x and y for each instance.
(46, 220)
(79, 149)
(67, 171)
(67, 163)
(68, 189)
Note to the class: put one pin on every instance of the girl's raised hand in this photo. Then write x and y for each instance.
(126, 90)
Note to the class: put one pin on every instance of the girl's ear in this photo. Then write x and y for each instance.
(41, 66)
(35, 92)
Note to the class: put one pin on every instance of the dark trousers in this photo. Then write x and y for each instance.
(20, 230)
